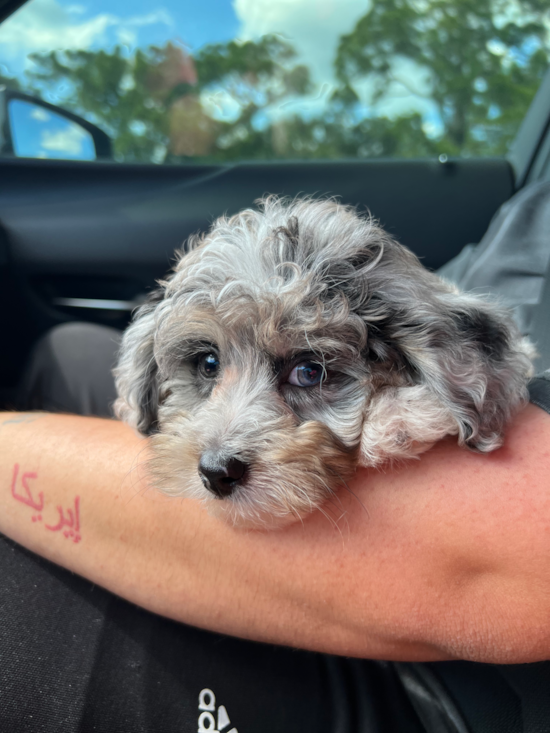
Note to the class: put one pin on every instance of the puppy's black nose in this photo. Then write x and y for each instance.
(221, 474)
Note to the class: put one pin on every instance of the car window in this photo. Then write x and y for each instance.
(230, 80)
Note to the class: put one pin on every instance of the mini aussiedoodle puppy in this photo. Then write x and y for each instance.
(295, 342)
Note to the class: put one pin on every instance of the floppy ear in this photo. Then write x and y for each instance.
(462, 364)
(136, 371)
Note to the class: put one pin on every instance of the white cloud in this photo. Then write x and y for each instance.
(127, 37)
(408, 92)
(312, 27)
(69, 141)
(40, 114)
(220, 105)
(158, 16)
(45, 25)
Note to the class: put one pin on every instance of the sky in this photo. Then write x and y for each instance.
(42, 25)
(40, 133)
(313, 27)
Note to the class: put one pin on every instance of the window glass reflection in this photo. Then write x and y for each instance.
(229, 80)
(40, 133)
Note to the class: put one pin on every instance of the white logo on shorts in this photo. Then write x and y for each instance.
(207, 722)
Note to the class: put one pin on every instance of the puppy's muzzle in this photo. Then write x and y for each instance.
(221, 474)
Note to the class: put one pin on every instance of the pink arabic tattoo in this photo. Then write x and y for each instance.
(68, 519)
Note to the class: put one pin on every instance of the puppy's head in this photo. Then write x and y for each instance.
(292, 343)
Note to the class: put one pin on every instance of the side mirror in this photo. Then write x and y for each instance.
(31, 128)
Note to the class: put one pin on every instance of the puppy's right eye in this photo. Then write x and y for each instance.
(306, 374)
(209, 365)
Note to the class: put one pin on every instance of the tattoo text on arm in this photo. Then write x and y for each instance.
(68, 520)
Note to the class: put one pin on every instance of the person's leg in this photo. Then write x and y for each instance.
(76, 658)
(70, 371)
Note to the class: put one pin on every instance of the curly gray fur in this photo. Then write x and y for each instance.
(407, 358)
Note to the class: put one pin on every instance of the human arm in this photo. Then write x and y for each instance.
(446, 557)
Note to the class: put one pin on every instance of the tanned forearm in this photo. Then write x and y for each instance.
(443, 558)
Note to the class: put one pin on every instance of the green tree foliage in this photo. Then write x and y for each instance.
(9, 81)
(476, 65)
(112, 90)
(150, 102)
(483, 61)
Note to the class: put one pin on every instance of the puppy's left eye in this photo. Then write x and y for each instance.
(306, 374)
(209, 365)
